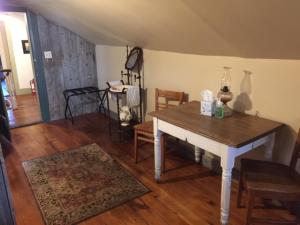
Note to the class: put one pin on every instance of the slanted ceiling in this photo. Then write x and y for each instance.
(245, 28)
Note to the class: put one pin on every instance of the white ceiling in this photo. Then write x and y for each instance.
(246, 28)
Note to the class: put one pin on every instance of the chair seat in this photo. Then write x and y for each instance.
(265, 167)
(265, 176)
(272, 183)
(145, 127)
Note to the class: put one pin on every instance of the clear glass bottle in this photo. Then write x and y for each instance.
(226, 80)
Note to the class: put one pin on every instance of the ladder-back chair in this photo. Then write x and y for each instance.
(164, 99)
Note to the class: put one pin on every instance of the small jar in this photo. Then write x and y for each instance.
(219, 113)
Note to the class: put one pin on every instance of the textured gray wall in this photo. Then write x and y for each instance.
(73, 66)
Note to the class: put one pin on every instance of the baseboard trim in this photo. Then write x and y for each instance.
(23, 91)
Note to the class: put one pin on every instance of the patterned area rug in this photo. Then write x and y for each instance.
(77, 184)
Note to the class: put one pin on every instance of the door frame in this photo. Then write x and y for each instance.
(37, 58)
(38, 64)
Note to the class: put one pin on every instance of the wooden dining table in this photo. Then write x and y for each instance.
(227, 138)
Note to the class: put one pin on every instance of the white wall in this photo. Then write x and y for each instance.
(3, 47)
(272, 91)
(16, 30)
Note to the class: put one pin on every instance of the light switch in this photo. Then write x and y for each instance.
(48, 54)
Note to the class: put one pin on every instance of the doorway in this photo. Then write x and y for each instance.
(17, 73)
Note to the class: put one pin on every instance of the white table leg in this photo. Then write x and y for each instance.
(269, 147)
(157, 150)
(227, 163)
(197, 154)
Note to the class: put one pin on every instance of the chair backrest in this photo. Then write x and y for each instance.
(296, 153)
(169, 98)
(185, 98)
(32, 86)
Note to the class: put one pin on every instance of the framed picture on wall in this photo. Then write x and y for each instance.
(25, 45)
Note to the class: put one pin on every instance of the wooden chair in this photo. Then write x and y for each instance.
(144, 131)
(32, 86)
(270, 180)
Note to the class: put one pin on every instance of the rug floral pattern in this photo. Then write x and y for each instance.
(74, 185)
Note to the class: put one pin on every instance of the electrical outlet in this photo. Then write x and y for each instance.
(48, 55)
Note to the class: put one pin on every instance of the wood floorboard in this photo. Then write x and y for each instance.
(27, 111)
(188, 194)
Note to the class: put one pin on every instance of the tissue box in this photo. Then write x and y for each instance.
(207, 108)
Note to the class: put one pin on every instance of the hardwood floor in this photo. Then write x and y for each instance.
(27, 112)
(188, 193)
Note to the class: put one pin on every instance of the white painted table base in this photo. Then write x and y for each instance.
(227, 154)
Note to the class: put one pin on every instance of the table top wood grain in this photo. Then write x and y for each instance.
(234, 131)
